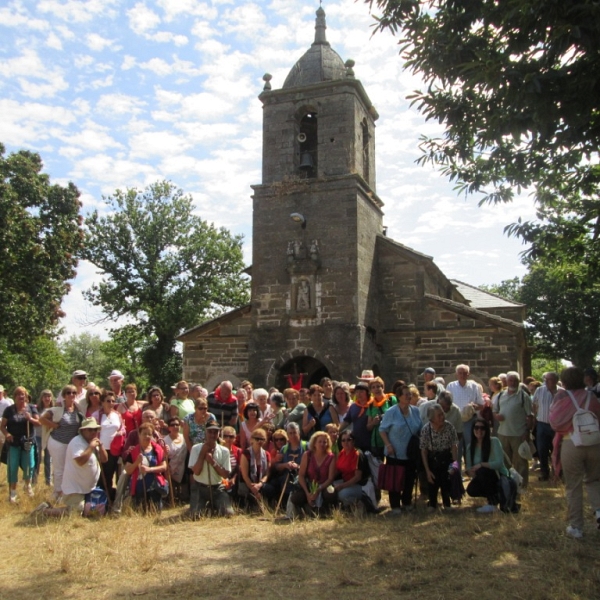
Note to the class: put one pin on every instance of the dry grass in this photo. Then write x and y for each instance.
(441, 556)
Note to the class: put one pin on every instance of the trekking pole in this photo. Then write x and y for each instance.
(103, 476)
(171, 492)
(209, 487)
(287, 477)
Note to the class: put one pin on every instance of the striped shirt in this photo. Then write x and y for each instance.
(542, 399)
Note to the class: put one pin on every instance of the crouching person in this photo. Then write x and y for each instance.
(84, 454)
(210, 464)
(146, 465)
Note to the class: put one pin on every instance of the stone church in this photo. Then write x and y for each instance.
(331, 294)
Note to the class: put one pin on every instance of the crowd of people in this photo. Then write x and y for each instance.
(306, 450)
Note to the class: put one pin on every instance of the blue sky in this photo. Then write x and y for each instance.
(121, 94)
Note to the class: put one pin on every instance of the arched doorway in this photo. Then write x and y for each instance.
(313, 371)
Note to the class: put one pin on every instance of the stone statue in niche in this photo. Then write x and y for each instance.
(303, 296)
(290, 252)
(314, 250)
(299, 249)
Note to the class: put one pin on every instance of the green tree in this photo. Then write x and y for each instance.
(562, 312)
(510, 289)
(516, 86)
(41, 236)
(561, 322)
(163, 268)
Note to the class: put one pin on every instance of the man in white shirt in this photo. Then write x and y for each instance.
(465, 392)
(84, 454)
(544, 434)
(210, 463)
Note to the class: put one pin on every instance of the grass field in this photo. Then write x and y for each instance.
(459, 554)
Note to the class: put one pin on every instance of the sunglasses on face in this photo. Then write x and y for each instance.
(229, 436)
(256, 439)
(479, 428)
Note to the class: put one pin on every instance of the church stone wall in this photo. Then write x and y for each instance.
(218, 354)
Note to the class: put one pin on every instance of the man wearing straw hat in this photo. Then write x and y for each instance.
(210, 463)
(84, 454)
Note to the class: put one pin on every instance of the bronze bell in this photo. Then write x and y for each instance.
(306, 161)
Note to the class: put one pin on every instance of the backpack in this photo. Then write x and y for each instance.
(507, 494)
(96, 503)
(586, 430)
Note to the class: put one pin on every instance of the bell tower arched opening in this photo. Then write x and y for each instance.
(307, 145)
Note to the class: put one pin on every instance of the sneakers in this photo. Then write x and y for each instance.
(13, 497)
(396, 512)
(488, 508)
(29, 490)
(574, 532)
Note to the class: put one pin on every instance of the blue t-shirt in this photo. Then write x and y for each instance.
(362, 436)
(399, 428)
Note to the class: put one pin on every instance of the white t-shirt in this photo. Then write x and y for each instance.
(4, 404)
(222, 458)
(79, 479)
(109, 425)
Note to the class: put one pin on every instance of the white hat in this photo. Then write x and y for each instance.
(116, 374)
(366, 375)
(79, 373)
(525, 451)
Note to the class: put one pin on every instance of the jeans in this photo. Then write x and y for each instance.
(543, 437)
(215, 497)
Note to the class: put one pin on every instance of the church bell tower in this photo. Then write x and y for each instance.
(316, 217)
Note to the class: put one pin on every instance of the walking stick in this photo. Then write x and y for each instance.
(103, 475)
(282, 492)
(171, 492)
(209, 487)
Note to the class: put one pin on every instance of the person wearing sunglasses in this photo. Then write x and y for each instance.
(111, 425)
(351, 473)
(90, 404)
(255, 469)
(78, 379)
(194, 424)
(177, 453)
(235, 455)
(485, 462)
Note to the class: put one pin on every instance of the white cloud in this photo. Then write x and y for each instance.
(98, 43)
(53, 41)
(156, 143)
(142, 19)
(120, 104)
(18, 17)
(78, 11)
(184, 8)
(162, 68)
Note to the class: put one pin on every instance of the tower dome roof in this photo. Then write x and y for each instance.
(319, 63)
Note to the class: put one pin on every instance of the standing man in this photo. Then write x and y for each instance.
(197, 392)
(210, 463)
(544, 434)
(465, 392)
(115, 380)
(223, 404)
(512, 409)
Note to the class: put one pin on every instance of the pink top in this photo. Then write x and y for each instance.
(318, 473)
